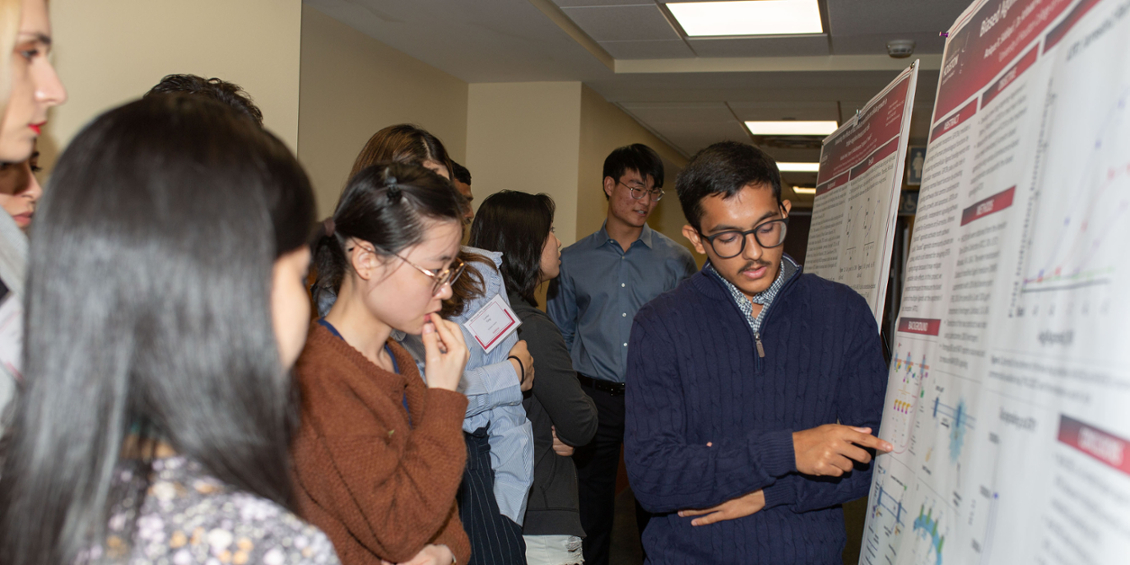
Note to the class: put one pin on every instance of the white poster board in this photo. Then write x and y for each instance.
(1007, 399)
(857, 193)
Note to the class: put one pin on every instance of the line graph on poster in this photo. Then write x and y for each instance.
(1079, 215)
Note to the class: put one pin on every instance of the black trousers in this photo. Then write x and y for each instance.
(597, 466)
(495, 539)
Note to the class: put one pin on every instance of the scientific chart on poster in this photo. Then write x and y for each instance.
(1009, 395)
(857, 190)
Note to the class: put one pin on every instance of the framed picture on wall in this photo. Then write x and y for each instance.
(915, 161)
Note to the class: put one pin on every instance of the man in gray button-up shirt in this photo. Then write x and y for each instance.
(605, 278)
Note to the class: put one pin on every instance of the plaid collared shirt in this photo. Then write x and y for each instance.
(764, 298)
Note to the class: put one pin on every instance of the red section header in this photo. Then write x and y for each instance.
(1069, 22)
(831, 185)
(955, 120)
(987, 43)
(879, 124)
(1009, 77)
(1103, 446)
(994, 203)
(921, 326)
(882, 153)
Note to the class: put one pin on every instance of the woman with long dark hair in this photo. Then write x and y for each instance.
(500, 464)
(380, 452)
(165, 308)
(520, 226)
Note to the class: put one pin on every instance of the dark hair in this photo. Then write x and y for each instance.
(636, 157)
(517, 224)
(406, 143)
(403, 143)
(385, 205)
(219, 90)
(149, 307)
(460, 173)
(724, 168)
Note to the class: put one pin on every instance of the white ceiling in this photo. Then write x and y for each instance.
(690, 92)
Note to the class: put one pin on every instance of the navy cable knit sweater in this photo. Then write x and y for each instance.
(694, 377)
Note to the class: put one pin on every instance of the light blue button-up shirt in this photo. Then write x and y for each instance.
(494, 397)
(600, 289)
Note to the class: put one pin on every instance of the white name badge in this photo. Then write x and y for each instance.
(492, 323)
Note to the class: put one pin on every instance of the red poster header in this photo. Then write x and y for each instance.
(831, 185)
(1009, 77)
(880, 154)
(955, 120)
(1100, 444)
(986, 43)
(994, 203)
(1069, 22)
(878, 124)
(920, 326)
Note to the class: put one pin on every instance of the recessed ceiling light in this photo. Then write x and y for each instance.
(804, 189)
(791, 128)
(799, 167)
(759, 17)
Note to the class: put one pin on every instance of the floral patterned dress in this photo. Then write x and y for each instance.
(188, 517)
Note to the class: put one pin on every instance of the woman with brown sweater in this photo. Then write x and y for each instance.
(380, 453)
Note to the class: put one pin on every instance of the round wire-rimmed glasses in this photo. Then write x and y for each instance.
(728, 244)
(440, 278)
(638, 192)
(446, 276)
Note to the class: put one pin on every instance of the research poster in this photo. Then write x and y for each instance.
(1009, 395)
(857, 193)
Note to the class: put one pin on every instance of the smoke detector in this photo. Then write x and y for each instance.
(900, 48)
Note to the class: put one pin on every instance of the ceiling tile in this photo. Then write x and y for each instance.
(791, 155)
(760, 46)
(694, 113)
(826, 86)
(783, 110)
(659, 49)
(622, 23)
(847, 17)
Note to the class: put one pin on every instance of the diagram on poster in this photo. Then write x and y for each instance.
(1008, 385)
(857, 189)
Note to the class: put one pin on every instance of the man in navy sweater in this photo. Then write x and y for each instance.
(736, 381)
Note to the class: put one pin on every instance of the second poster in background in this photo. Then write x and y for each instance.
(857, 190)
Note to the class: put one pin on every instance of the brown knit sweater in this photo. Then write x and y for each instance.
(379, 488)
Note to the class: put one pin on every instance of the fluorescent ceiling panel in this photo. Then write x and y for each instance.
(758, 17)
(799, 167)
(804, 189)
(791, 128)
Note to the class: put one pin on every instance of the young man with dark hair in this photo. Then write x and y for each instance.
(736, 382)
(219, 90)
(605, 278)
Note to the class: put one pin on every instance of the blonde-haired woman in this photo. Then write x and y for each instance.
(28, 88)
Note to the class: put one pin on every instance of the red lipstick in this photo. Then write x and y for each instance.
(36, 127)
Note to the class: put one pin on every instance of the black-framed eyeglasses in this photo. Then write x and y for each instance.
(638, 191)
(729, 244)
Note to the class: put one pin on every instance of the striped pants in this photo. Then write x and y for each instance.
(495, 539)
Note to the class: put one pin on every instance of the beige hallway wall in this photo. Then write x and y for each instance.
(526, 136)
(110, 52)
(352, 86)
